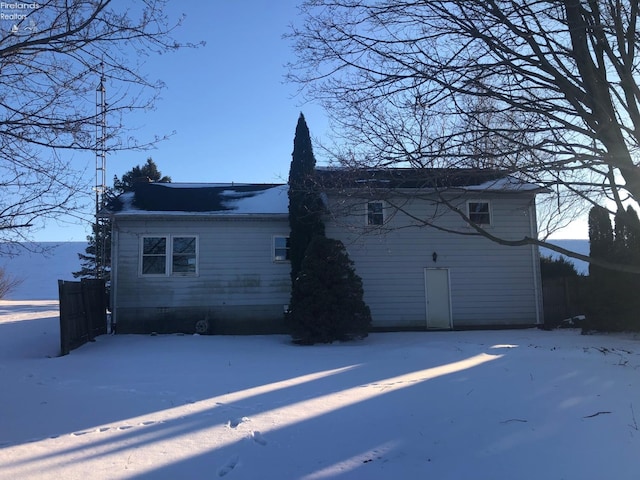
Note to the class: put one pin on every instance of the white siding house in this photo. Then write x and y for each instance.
(216, 263)
(190, 256)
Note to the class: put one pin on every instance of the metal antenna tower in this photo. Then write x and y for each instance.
(101, 175)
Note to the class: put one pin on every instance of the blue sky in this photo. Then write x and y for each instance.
(233, 114)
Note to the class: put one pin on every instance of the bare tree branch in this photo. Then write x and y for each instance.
(51, 63)
(544, 90)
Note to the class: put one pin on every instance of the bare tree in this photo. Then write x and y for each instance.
(544, 90)
(53, 56)
(8, 283)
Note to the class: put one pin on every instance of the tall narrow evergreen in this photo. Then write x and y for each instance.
(602, 311)
(600, 237)
(305, 206)
(327, 296)
(627, 251)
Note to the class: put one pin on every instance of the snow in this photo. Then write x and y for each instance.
(525, 404)
(270, 201)
(59, 260)
(509, 184)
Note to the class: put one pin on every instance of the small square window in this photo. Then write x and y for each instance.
(281, 249)
(375, 213)
(479, 213)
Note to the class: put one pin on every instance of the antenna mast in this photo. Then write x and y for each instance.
(101, 175)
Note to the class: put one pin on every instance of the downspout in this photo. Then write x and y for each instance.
(535, 261)
(114, 274)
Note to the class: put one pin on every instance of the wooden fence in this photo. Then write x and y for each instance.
(564, 298)
(83, 312)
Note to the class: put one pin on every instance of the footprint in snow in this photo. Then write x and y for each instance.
(258, 438)
(237, 421)
(230, 465)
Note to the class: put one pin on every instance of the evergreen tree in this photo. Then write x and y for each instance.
(603, 309)
(627, 285)
(600, 238)
(148, 170)
(556, 268)
(326, 294)
(88, 259)
(327, 300)
(305, 205)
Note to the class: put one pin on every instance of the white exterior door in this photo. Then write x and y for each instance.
(438, 298)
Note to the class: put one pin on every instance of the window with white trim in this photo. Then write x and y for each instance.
(479, 212)
(281, 249)
(375, 213)
(154, 256)
(184, 255)
(169, 255)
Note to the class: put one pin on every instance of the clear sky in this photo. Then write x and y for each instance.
(233, 114)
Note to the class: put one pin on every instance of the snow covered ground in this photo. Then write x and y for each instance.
(517, 404)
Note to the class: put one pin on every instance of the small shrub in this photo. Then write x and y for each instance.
(327, 298)
(7, 283)
(556, 268)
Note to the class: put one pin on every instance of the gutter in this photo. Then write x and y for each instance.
(535, 263)
(114, 275)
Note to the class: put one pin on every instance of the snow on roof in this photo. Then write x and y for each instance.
(203, 199)
(226, 199)
(273, 200)
(507, 183)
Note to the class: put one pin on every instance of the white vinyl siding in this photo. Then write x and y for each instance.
(491, 284)
(234, 265)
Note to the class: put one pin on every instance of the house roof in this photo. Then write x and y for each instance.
(426, 178)
(203, 198)
(271, 199)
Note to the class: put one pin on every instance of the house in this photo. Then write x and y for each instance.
(214, 257)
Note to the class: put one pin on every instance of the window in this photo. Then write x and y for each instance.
(375, 213)
(479, 213)
(169, 255)
(154, 255)
(183, 258)
(281, 249)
